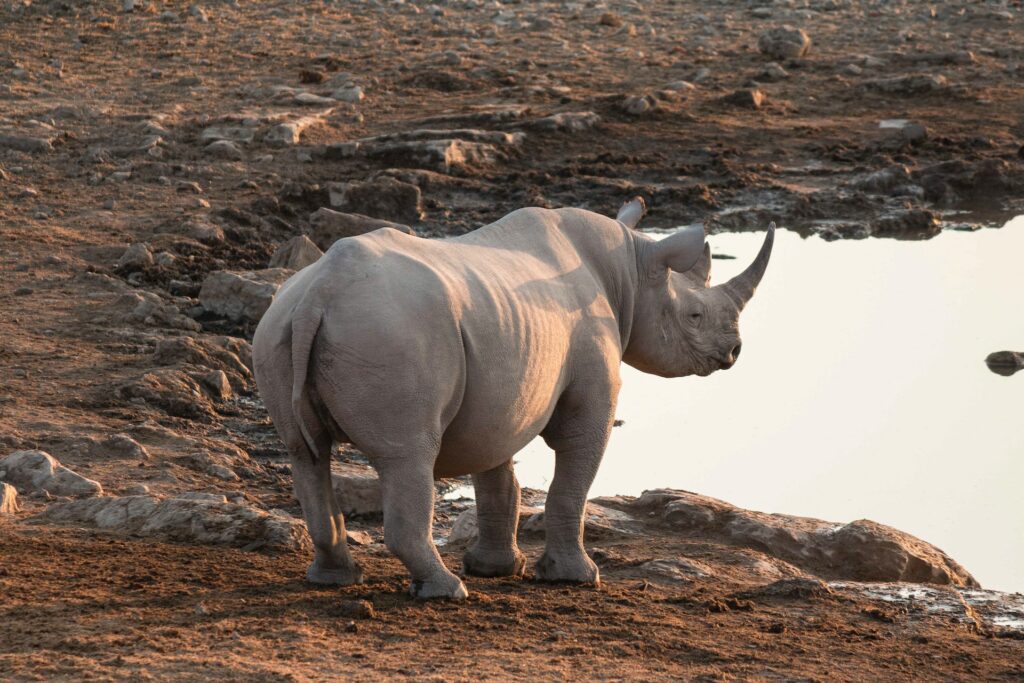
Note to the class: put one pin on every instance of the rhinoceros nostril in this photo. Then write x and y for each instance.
(736, 351)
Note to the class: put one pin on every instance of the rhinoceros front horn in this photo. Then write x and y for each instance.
(742, 287)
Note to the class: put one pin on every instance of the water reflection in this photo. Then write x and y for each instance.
(859, 395)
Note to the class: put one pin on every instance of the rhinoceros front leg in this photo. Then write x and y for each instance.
(332, 563)
(495, 552)
(407, 485)
(578, 433)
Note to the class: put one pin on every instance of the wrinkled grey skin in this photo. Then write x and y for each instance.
(440, 358)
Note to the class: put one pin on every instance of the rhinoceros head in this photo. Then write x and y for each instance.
(681, 325)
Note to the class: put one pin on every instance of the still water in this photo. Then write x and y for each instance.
(862, 392)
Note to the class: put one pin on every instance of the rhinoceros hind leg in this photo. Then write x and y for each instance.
(407, 485)
(332, 563)
(631, 212)
(495, 552)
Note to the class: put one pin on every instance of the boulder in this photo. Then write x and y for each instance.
(749, 98)
(136, 256)
(330, 226)
(357, 488)
(241, 295)
(225, 149)
(32, 471)
(208, 520)
(228, 354)
(382, 197)
(862, 550)
(8, 499)
(296, 254)
(784, 42)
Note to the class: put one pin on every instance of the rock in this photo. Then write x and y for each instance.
(357, 488)
(444, 154)
(904, 129)
(784, 42)
(205, 496)
(638, 105)
(1005, 363)
(225, 149)
(350, 93)
(32, 471)
(917, 84)
(680, 86)
(136, 256)
(772, 72)
(217, 385)
(173, 391)
(358, 537)
(200, 230)
(914, 224)
(676, 569)
(195, 521)
(312, 100)
(330, 226)
(150, 309)
(123, 446)
(228, 354)
(238, 134)
(290, 132)
(8, 499)
(751, 98)
(860, 551)
(382, 197)
(569, 122)
(296, 254)
(137, 489)
(241, 295)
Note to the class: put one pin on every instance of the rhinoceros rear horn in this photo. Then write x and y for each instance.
(742, 287)
(680, 250)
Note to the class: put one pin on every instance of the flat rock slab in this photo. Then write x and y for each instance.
(569, 122)
(862, 550)
(207, 521)
(242, 295)
(37, 471)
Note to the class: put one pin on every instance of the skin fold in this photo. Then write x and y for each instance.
(439, 358)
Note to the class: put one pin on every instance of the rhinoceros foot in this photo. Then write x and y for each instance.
(481, 563)
(442, 586)
(574, 567)
(334, 576)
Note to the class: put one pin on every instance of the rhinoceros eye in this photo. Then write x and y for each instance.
(695, 317)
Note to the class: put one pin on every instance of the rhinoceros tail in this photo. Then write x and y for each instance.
(305, 325)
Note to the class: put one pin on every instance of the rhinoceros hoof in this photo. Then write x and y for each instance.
(448, 587)
(576, 568)
(335, 576)
(477, 563)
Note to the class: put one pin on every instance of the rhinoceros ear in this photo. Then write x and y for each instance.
(681, 250)
(700, 274)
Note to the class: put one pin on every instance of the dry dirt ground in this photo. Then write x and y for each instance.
(102, 121)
